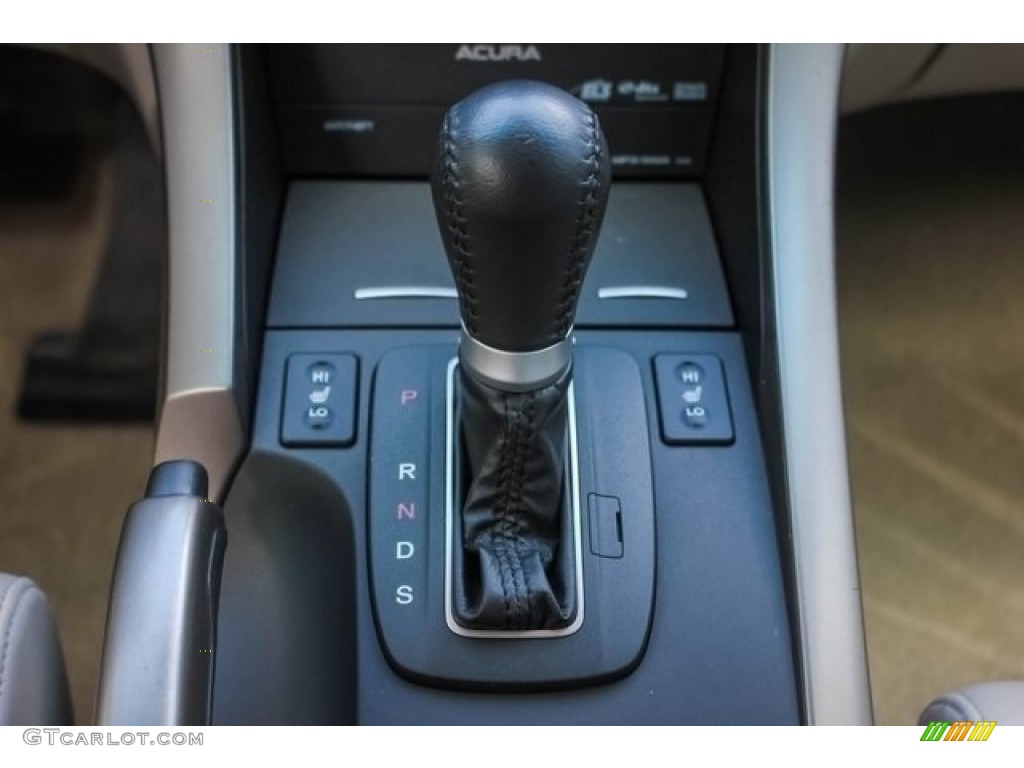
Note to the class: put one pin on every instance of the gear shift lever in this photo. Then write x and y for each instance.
(520, 187)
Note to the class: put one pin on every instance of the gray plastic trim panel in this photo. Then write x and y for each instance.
(803, 86)
(199, 417)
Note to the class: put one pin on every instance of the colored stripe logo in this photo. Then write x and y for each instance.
(961, 730)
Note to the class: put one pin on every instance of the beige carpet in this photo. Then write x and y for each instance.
(63, 490)
(931, 283)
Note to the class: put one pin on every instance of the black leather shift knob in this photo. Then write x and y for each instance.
(520, 187)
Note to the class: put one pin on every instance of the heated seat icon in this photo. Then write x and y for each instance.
(318, 396)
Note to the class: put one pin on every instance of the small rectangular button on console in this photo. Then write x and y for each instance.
(692, 400)
(319, 400)
(605, 525)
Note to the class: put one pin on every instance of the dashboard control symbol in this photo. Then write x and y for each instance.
(687, 91)
(695, 416)
(404, 550)
(319, 399)
(690, 373)
(693, 399)
(319, 396)
(692, 395)
(596, 90)
(319, 417)
(321, 373)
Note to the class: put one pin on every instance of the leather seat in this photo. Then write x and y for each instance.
(1002, 701)
(33, 682)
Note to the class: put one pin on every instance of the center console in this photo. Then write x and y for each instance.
(521, 407)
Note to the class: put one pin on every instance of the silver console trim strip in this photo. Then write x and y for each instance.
(199, 416)
(803, 87)
(405, 292)
(573, 477)
(642, 292)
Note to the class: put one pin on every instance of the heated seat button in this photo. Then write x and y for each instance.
(693, 401)
(320, 396)
(319, 417)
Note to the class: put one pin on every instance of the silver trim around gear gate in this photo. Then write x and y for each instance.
(515, 371)
(572, 478)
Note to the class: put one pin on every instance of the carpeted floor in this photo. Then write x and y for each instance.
(63, 489)
(931, 285)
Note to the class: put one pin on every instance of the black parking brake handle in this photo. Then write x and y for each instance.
(160, 645)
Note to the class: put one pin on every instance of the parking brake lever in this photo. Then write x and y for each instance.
(520, 187)
(159, 650)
